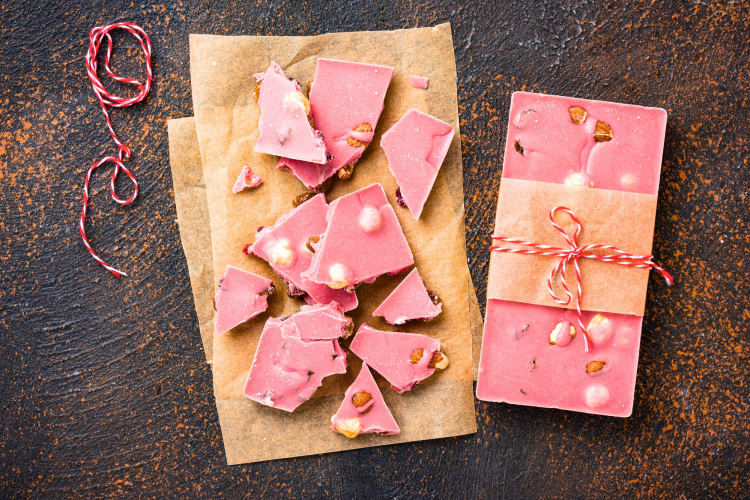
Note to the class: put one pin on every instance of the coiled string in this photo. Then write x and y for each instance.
(96, 36)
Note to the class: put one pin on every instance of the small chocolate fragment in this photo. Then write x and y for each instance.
(603, 132)
(399, 198)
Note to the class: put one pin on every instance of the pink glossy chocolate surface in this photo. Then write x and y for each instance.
(240, 297)
(284, 247)
(246, 180)
(362, 241)
(416, 146)
(292, 359)
(372, 415)
(518, 363)
(419, 82)
(283, 123)
(392, 354)
(408, 301)
(346, 99)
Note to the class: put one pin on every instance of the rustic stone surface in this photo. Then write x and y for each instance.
(105, 392)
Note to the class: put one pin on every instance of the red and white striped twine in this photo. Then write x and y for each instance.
(96, 36)
(573, 253)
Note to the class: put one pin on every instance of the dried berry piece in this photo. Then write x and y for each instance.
(439, 360)
(399, 198)
(358, 143)
(603, 132)
(361, 398)
(577, 114)
(310, 242)
(594, 366)
(416, 355)
(518, 147)
(299, 200)
(346, 171)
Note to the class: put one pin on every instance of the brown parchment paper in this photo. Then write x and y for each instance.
(195, 232)
(625, 220)
(226, 118)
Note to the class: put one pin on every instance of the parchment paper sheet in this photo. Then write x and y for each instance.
(195, 232)
(618, 218)
(226, 118)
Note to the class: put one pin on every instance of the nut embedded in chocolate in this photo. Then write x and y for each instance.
(594, 366)
(310, 242)
(346, 171)
(518, 146)
(433, 297)
(577, 114)
(439, 361)
(416, 356)
(603, 132)
(355, 143)
(361, 398)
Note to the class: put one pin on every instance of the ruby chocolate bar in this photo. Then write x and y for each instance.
(283, 123)
(288, 247)
(295, 354)
(363, 409)
(362, 241)
(599, 162)
(346, 99)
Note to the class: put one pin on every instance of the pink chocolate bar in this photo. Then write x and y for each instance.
(287, 247)
(346, 99)
(403, 359)
(534, 354)
(409, 300)
(246, 180)
(295, 354)
(416, 146)
(363, 240)
(241, 296)
(283, 123)
(363, 409)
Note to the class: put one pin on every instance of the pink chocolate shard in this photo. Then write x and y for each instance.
(285, 247)
(246, 180)
(283, 124)
(292, 359)
(403, 359)
(409, 300)
(363, 409)
(346, 99)
(419, 82)
(416, 146)
(363, 240)
(241, 296)
(530, 354)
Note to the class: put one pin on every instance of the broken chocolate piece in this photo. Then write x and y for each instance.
(408, 301)
(363, 409)
(241, 296)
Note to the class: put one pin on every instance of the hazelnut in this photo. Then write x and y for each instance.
(416, 356)
(341, 276)
(281, 253)
(562, 334)
(579, 179)
(310, 243)
(349, 427)
(345, 172)
(370, 219)
(363, 138)
(361, 398)
(603, 132)
(594, 366)
(596, 395)
(577, 114)
(599, 329)
(439, 360)
(299, 200)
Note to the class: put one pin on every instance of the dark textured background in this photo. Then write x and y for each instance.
(104, 389)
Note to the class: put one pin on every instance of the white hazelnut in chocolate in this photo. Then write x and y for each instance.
(370, 219)
(599, 329)
(281, 253)
(596, 395)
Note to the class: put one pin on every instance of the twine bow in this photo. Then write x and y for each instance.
(572, 253)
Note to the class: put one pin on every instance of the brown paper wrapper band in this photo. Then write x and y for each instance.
(613, 218)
